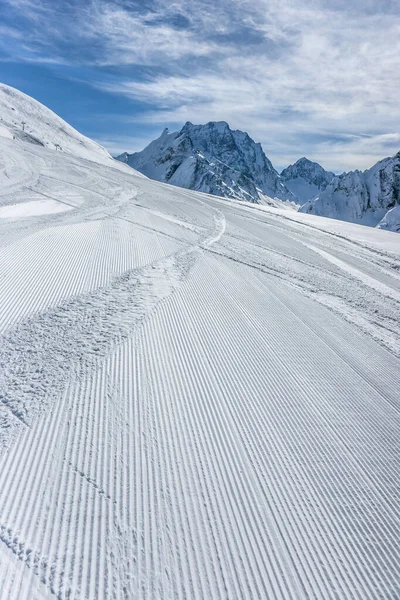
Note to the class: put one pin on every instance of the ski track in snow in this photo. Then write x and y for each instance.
(197, 400)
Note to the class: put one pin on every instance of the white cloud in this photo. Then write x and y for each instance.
(319, 78)
(337, 72)
(132, 38)
(117, 144)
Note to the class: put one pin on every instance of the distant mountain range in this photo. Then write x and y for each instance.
(212, 158)
(370, 197)
(217, 160)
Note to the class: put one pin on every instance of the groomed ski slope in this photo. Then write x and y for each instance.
(199, 399)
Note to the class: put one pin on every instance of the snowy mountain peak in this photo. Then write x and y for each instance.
(211, 158)
(306, 178)
(218, 127)
(362, 197)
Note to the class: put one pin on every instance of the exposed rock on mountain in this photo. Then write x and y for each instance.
(306, 179)
(214, 159)
(361, 197)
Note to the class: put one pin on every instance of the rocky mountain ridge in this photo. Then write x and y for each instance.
(362, 196)
(217, 160)
(211, 158)
(306, 179)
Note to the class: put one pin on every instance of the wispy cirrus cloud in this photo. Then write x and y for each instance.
(118, 33)
(319, 78)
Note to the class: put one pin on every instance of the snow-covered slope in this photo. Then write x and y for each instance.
(391, 221)
(199, 398)
(361, 197)
(305, 179)
(211, 158)
(26, 119)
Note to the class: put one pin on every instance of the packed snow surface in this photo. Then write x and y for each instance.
(199, 398)
(29, 209)
(23, 118)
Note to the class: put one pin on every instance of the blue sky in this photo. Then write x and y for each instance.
(317, 78)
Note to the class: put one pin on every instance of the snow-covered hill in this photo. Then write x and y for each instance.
(199, 397)
(362, 197)
(391, 221)
(214, 159)
(26, 119)
(305, 179)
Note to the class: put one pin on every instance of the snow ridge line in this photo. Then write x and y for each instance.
(33, 560)
(384, 368)
(58, 531)
(309, 436)
(226, 408)
(38, 354)
(276, 217)
(69, 528)
(381, 312)
(201, 398)
(378, 286)
(21, 295)
(210, 443)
